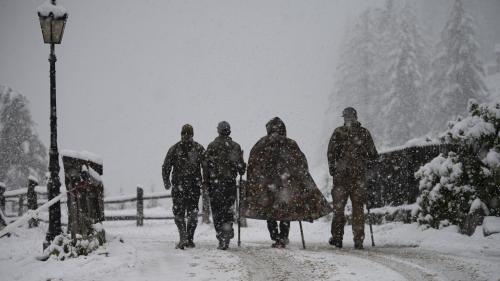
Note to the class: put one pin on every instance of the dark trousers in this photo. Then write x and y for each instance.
(185, 199)
(222, 198)
(281, 233)
(345, 187)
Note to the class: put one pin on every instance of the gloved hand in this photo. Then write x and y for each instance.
(331, 169)
(167, 185)
(242, 169)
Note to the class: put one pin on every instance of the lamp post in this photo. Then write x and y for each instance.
(52, 21)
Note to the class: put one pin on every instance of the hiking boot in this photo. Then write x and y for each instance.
(180, 245)
(285, 241)
(335, 243)
(223, 245)
(190, 244)
(358, 245)
(278, 244)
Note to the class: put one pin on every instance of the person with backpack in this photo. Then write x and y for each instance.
(223, 161)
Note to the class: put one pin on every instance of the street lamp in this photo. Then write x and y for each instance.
(52, 21)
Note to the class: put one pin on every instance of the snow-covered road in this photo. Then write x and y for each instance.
(403, 252)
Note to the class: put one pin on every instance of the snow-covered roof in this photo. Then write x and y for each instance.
(417, 142)
(84, 155)
(2, 185)
(47, 8)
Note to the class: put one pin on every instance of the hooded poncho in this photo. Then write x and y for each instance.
(279, 185)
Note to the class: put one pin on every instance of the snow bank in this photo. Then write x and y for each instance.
(47, 8)
(491, 225)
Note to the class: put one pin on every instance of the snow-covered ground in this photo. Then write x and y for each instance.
(402, 252)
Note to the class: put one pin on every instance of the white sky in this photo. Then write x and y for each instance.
(131, 73)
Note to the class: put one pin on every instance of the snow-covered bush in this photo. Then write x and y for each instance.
(459, 183)
(64, 247)
(445, 197)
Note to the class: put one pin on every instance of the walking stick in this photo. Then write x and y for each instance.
(371, 229)
(239, 210)
(302, 235)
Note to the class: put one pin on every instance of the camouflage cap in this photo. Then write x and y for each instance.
(223, 128)
(349, 112)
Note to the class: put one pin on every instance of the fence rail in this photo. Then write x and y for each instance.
(17, 197)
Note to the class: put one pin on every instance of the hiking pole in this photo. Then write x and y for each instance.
(302, 235)
(239, 211)
(371, 229)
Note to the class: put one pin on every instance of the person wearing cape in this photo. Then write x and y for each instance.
(279, 186)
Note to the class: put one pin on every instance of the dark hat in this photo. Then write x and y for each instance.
(187, 130)
(223, 128)
(349, 111)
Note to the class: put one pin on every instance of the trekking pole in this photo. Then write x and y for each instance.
(302, 235)
(371, 229)
(239, 211)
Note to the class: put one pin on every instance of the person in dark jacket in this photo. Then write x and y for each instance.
(280, 187)
(223, 162)
(184, 160)
(351, 152)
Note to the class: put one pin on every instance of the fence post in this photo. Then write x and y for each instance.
(2, 198)
(21, 203)
(32, 200)
(140, 206)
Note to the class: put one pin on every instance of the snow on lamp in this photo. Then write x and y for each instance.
(52, 21)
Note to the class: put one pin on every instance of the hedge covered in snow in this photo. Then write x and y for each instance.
(456, 184)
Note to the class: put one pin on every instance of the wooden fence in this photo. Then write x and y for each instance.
(17, 200)
(393, 180)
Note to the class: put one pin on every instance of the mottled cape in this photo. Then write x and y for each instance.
(279, 186)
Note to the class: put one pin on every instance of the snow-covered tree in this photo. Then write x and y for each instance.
(21, 152)
(356, 84)
(379, 73)
(457, 71)
(404, 98)
(459, 183)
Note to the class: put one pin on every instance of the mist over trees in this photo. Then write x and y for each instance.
(458, 73)
(403, 85)
(21, 152)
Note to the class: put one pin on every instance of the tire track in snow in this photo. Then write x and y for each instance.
(294, 263)
(413, 263)
(265, 263)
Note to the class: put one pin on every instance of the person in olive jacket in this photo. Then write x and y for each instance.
(351, 152)
(223, 162)
(184, 160)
